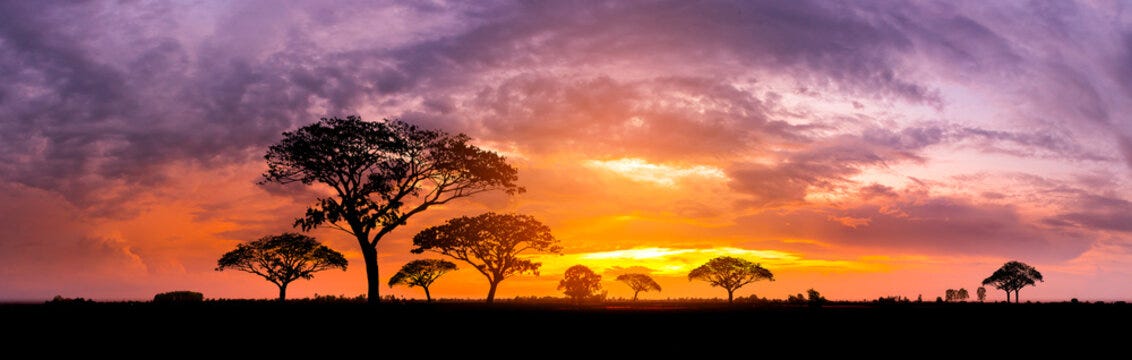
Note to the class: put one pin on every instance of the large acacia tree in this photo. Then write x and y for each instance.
(379, 174)
(639, 283)
(730, 273)
(1012, 277)
(492, 243)
(282, 259)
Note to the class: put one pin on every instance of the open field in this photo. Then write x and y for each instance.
(657, 327)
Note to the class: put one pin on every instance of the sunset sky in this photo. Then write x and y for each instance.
(864, 149)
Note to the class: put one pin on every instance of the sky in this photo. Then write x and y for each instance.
(863, 149)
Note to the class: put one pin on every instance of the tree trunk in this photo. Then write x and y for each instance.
(369, 254)
(283, 292)
(730, 296)
(1007, 296)
(426, 294)
(635, 295)
(491, 292)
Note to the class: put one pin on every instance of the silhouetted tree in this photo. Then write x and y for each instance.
(580, 283)
(282, 259)
(981, 292)
(796, 299)
(179, 297)
(639, 283)
(962, 295)
(421, 273)
(1012, 277)
(815, 298)
(957, 295)
(730, 273)
(380, 174)
(491, 243)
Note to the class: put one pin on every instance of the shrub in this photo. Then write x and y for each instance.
(59, 299)
(178, 297)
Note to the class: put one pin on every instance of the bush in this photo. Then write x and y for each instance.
(178, 297)
(59, 299)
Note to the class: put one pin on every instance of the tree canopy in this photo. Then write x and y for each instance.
(730, 273)
(492, 243)
(282, 259)
(380, 174)
(422, 272)
(1012, 277)
(580, 283)
(639, 283)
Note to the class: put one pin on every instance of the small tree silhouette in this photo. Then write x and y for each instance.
(282, 259)
(981, 293)
(815, 298)
(639, 283)
(730, 273)
(580, 283)
(1012, 277)
(421, 273)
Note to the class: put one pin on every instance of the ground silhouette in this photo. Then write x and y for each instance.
(519, 328)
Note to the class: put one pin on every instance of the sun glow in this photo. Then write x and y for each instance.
(659, 174)
(663, 261)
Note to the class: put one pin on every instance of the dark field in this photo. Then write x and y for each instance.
(513, 329)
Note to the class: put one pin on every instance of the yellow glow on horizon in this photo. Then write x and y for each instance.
(659, 174)
(662, 261)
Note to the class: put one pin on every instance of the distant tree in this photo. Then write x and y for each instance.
(1012, 277)
(282, 259)
(796, 299)
(59, 299)
(639, 283)
(179, 297)
(814, 298)
(580, 283)
(957, 295)
(730, 273)
(421, 273)
(380, 175)
(491, 243)
(981, 292)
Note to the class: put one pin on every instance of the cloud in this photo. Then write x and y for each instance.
(938, 225)
(660, 174)
(1097, 212)
(49, 247)
(824, 165)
